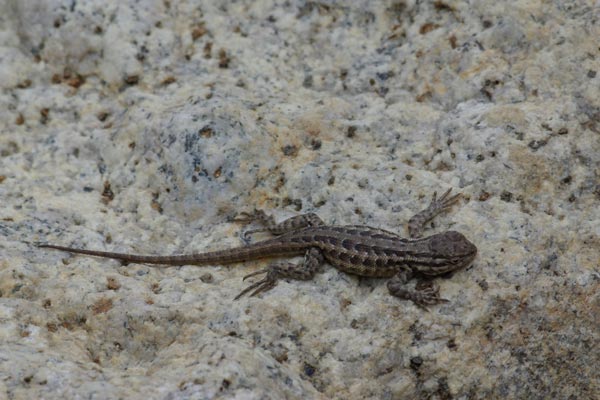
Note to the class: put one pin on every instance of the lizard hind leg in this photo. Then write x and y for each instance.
(274, 228)
(313, 259)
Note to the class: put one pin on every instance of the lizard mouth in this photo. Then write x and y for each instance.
(470, 256)
(467, 258)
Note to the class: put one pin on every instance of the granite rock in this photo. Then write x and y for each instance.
(147, 126)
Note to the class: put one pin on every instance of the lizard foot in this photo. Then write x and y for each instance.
(427, 296)
(422, 296)
(304, 271)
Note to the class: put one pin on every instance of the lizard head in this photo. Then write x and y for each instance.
(451, 251)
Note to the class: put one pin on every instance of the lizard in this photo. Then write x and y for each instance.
(354, 249)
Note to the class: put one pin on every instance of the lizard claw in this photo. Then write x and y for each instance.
(247, 218)
(245, 236)
(261, 271)
(427, 297)
(444, 202)
(267, 283)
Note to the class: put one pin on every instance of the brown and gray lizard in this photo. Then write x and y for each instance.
(355, 249)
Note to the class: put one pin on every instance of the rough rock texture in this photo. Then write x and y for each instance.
(145, 126)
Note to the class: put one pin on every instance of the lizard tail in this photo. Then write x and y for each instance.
(251, 252)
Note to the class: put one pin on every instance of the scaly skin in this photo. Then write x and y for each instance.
(355, 249)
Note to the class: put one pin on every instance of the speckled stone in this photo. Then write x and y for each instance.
(146, 126)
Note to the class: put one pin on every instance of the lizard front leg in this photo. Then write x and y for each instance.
(268, 221)
(416, 225)
(423, 297)
(313, 259)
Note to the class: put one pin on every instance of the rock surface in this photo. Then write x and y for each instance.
(146, 126)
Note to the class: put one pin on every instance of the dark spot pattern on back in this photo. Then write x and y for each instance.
(356, 259)
(332, 254)
(390, 252)
(362, 247)
(380, 251)
(344, 257)
(347, 244)
(369, 262)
